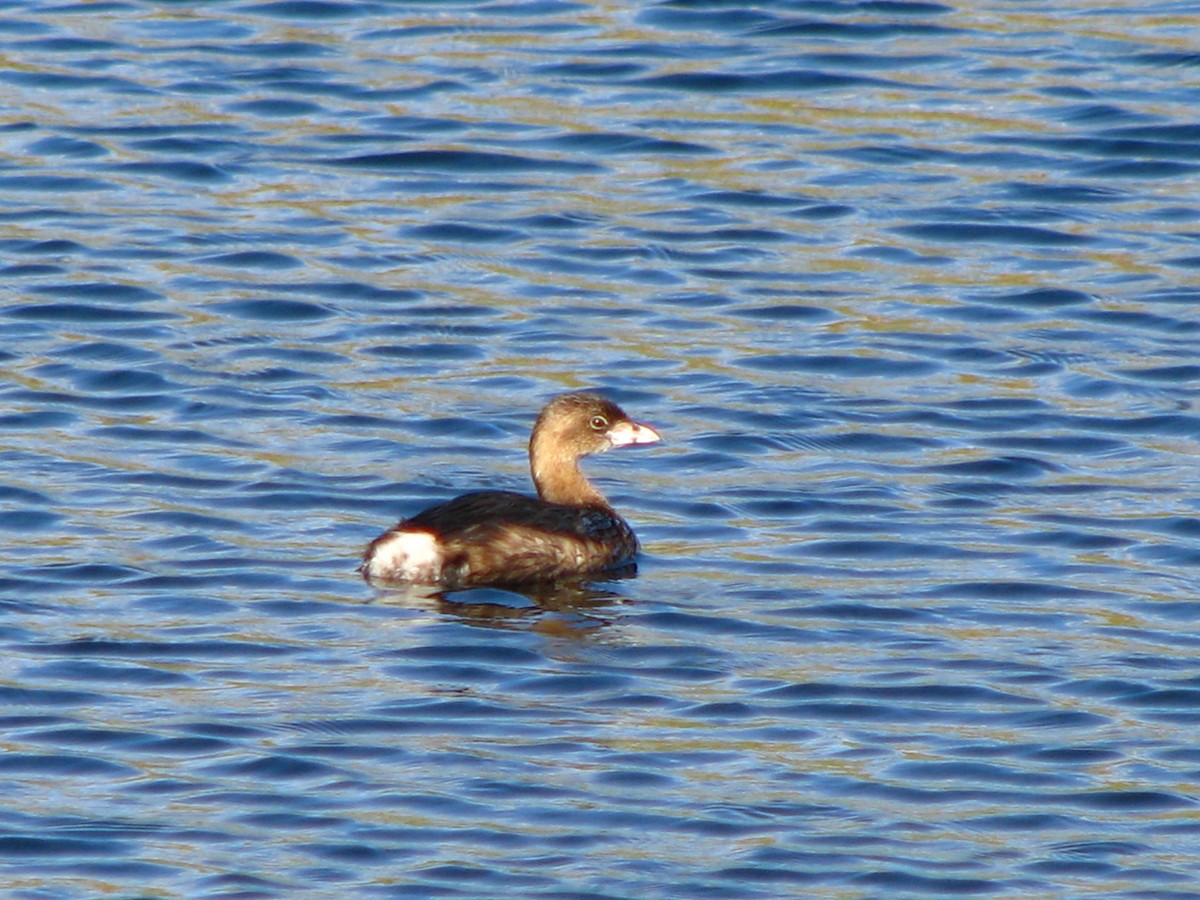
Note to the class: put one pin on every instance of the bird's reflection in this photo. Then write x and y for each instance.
(578, 604)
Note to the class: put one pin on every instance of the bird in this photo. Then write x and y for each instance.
(497, 538)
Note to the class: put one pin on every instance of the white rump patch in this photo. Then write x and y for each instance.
(412, 556)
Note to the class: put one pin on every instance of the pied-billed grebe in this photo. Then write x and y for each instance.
(498, 537)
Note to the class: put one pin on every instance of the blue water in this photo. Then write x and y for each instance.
(910, 289)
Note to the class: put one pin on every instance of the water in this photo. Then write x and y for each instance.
(910, 290)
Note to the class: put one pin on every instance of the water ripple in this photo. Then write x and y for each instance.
(904, 287)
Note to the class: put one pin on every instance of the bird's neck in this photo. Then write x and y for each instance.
(557, 477)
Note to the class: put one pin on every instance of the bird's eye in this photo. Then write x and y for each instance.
(599, 423)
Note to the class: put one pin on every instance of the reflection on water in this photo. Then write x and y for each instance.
(909, 288)
(572, 606)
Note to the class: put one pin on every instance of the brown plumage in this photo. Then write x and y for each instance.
(499, 537)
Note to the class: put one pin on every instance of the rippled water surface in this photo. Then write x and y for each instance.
(912, 289)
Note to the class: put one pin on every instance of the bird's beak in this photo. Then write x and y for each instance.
(625, 433)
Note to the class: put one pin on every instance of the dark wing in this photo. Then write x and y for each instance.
(496, 537)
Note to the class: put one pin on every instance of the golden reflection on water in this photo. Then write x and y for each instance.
(917, 558)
